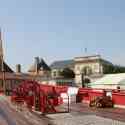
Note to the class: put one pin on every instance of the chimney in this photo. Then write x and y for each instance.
(37, 63)
(18, 68)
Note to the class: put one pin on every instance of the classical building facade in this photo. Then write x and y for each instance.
(86, 69)
(89, 68)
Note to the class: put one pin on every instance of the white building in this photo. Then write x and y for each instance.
(87, 69)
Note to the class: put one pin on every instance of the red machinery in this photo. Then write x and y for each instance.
(43, 98)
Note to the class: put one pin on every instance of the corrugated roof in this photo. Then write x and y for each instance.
(62, 64)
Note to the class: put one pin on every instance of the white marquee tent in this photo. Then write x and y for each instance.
(110, 81)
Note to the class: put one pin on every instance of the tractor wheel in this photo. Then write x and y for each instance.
(98, 105)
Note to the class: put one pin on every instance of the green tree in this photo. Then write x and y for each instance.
(67, 73)
(113, 69)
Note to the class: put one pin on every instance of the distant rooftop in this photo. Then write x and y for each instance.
(66, 63)
(62, 64)
(89, 56)
(92, 57)
(41, 65)
(5, 67)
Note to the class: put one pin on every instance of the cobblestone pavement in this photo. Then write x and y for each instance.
(82, 115)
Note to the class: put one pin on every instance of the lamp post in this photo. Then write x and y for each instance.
(83, 81)
(2, 64)
(85, 73)
(3, 75)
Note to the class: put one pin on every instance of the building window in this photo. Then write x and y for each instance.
(87, 70)
(54, 73)
(95, 67)
(78, 68)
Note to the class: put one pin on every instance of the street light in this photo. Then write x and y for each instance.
(2, 64)
(3, 75)
(83, 81)
(86, 72)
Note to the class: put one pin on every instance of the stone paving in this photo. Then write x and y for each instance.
(69, 119)
(82, 115)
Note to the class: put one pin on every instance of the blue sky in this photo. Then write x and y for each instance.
(61, 29)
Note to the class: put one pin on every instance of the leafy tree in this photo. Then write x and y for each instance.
(113, 69)
(67, 73)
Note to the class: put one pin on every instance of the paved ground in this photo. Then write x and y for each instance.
(110, 113)
(70, 119)
(80, 115)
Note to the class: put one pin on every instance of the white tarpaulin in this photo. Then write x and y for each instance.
(71, 95)
(110, 81)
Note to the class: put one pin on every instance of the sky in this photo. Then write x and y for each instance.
(62, 29)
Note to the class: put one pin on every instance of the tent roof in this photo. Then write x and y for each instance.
(111, 79)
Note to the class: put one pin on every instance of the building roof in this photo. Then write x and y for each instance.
(91, 58)
(20, 76)
(67, 63)
(41, 65)
(62, 64)
(5, 67)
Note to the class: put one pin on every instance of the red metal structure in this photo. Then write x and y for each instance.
(44, 98)
(88, 94)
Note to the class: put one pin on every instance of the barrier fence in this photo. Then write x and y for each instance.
(83, 94)
(87, 94)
